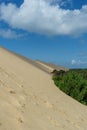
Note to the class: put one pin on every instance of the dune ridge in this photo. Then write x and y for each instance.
(29, 100)
(46, 67)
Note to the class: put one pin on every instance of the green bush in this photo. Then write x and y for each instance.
(73, 83)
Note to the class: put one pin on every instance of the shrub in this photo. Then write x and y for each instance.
(73, 83)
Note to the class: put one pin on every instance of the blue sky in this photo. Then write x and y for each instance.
(50, 30)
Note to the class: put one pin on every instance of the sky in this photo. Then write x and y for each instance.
(54, 31)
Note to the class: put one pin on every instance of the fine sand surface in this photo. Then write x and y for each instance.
(29, 100)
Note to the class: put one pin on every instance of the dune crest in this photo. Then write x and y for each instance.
(29, 100)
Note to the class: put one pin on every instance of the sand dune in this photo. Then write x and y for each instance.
(51, 67)
(29, 100)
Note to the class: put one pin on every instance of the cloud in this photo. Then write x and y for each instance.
(39, 16)
(79, 62)
(83, 54)
(73, 62)
(9, 34)
(59, 2)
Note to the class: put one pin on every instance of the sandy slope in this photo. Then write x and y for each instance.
(29, 99)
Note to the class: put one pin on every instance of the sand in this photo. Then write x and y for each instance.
(29, 100)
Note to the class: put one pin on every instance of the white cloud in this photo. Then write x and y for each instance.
(59, 2)
(9, 34)
(79, 62)
(73, 62)
(41, 17)
(83, 62)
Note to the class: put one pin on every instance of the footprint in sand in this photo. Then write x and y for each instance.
(0, 124)
(23, 105)
(20, 120)
(48, 104)
(53, 122)
(12, 92)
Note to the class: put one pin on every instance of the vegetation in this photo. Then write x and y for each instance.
(73, 83)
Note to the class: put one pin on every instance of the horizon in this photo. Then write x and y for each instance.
(44, 30)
